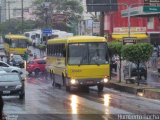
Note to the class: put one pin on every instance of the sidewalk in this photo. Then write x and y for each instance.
(146, 90)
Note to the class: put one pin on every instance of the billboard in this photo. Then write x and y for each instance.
(96, 28)
(104, 5)
(59, 18)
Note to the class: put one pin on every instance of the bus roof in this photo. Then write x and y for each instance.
(74, 39)
(14, 36)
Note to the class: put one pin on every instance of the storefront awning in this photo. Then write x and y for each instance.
(121, 36)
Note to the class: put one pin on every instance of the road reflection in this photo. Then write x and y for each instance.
(74, 101)
(74, 105)
(107, 99)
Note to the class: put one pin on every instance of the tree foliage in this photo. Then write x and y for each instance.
(71, 8)
(137, 52)
(115, 48)
(15, 26)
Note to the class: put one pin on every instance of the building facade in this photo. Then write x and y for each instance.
(2, 10)
(13, 9)
(86, 22)
(144, 19)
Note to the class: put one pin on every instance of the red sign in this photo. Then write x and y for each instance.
(59, 18)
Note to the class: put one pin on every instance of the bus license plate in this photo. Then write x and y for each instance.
(6, 92)
(89, 82)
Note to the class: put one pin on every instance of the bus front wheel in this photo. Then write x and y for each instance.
(68, 88)
(53, 79)
(100, 88)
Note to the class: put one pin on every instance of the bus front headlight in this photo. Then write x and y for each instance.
(73, 81)
(105, 80)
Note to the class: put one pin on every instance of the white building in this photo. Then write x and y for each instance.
(2, 10)
(85, 24)
(14, 8)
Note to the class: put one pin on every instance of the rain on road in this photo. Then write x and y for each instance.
(49, 102)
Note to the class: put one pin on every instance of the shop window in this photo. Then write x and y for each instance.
(150, 23)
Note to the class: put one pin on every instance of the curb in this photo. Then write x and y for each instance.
(151, 93)
(124, 88)
(130, 88)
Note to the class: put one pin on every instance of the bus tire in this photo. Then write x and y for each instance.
(100, 88)
(63, 80)
(87, 89)
(36, 71)
(68, 88)
(53, 79)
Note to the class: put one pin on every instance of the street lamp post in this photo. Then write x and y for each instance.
(22, 16)
(46, 8)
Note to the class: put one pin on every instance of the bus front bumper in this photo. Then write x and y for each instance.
(88, 82)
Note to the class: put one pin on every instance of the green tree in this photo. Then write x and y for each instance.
(115, 49)
(137, 53)
(15, 26)
(71, 8)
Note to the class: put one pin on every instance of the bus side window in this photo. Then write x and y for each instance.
(9, 42)
(63, 50)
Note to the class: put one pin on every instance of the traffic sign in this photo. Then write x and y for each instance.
(129, 40)
(47, 31)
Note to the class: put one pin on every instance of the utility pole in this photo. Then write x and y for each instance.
(0, 14)
(9, 15)
(102, 24)
(22, 16)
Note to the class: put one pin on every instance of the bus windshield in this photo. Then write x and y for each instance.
(87, 54)
(19, 44)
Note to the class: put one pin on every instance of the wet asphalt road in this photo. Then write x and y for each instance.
(44, 102)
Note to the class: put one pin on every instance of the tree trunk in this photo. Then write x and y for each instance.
(102, 24)
(120, 62)
(138, 74)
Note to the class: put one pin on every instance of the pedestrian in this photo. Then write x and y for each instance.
(26, 56)
(35, 56)
(154, 58)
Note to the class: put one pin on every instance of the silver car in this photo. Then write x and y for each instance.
(2, 71)
(8, 68)
(12, 84)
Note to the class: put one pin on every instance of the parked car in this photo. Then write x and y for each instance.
(134, 70)
(36, 65)
(17, 60)
(8, 68)
(12, 84)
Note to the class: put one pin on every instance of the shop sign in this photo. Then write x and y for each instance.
(96, 27)
(151, 9)
(132, 30)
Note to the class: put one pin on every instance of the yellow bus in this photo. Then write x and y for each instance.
(78, 61)
(15, 44)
